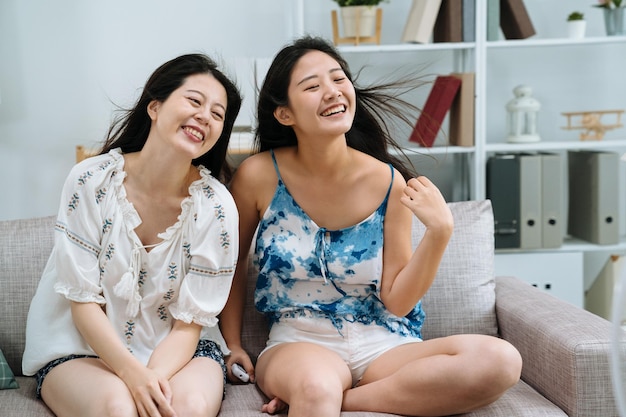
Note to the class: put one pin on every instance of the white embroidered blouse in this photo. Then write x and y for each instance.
(98, 258)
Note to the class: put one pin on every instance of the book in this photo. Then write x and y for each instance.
(514, 20)
(435, 109)
(469, 20)
(462, 112)
(493, 20)
(449, 24)
(421, 21)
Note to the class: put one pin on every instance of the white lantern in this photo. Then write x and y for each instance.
(522, 116)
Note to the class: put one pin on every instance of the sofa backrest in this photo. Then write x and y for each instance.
(461, 300)
(25, 246)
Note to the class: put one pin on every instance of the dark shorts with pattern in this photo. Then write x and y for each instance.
(205, 349)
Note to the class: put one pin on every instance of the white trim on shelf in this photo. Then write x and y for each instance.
(532, 43)
(407, 47)
(571, 244)
(555, 146)
(435, 150)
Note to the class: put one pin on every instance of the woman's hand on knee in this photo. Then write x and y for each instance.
(152, 393)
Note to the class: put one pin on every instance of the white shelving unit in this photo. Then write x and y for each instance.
(476, 57)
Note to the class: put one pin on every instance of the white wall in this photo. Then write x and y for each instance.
(64, 63)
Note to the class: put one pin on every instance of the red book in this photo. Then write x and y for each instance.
(437, 106)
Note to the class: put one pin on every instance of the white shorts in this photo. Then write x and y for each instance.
(358, 344)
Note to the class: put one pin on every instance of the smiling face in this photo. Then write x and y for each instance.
(192, 118)
(321, 97)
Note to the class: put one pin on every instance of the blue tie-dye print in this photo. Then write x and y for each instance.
(332, 274)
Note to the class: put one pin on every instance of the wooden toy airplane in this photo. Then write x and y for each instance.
(591, 123)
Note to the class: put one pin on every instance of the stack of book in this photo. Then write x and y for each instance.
(454, 21)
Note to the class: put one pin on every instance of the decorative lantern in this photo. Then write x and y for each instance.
(522, 116)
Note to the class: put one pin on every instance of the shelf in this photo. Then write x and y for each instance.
(532, 43)
(451, 46)
(555, 146)
(571, 244)
(436, 150)
(407, 47)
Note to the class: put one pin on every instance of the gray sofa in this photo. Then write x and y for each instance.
(565, 349)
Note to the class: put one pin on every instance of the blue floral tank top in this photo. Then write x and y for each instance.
(307, 270)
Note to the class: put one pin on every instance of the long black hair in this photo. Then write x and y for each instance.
(130, 130)
(375, 105)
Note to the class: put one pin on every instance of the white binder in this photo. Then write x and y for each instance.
(593, 196)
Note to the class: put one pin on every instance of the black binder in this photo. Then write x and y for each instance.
(503, 189)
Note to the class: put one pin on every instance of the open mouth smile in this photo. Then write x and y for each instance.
(340, 108)
(193, 132)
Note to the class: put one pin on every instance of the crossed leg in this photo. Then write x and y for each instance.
(445, 376)
(87, 387)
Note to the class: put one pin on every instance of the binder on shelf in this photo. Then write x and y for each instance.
(514, 20)
(593, 196)
(530, 201)
(493, 20)
(469, 20)
(462, 112)
(449, 23)
(435, 109)
(503, 176)
(552, 195)
(421, 21)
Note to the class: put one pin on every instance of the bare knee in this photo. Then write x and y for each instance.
(116, 406)
(500, 366)
(316, 390)
(197, 404)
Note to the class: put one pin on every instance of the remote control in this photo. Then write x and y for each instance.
(239, 372)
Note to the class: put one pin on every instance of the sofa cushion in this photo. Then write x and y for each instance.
(462, 298)
(25, 246)
(7, 379)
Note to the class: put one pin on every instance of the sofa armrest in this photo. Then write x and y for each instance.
(565, 349)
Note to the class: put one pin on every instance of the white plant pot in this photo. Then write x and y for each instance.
(358, 18)
(576, 29)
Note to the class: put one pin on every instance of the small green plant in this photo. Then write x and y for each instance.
(575, 16)
(344, 3)
(609, 4)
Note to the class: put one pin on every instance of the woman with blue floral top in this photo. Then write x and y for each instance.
(124, 321)
(338, 279)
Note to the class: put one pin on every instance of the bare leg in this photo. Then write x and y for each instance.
(197, 389)
(86, 388)
(439, 377)
(310, 378)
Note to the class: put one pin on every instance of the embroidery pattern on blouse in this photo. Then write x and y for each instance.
(77, 240)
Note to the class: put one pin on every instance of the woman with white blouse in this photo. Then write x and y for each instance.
(124, 321)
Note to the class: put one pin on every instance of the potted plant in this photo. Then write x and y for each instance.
(358, 17)
(576, 25)
(613, 16)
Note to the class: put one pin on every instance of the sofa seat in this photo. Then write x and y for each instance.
(565, 349)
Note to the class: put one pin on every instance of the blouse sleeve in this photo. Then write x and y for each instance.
(78, 234)
(213, 250)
